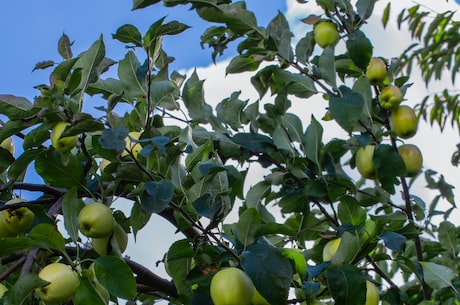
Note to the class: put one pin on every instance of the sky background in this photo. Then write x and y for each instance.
(30, 31)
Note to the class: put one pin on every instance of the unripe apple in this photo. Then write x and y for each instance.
(62, 144)
(134, 147)
(96, 220)
(412, 158)
(4, 231)
(118, 236)
(372, 294)
(376, 71)
(17, 220)
(103, 164)
(390, 97)
(403, 122)
(325, 34)
(63, 283)
(365, 163)
(231, 286)
(258, 299)
(8, 144)
(330, 248)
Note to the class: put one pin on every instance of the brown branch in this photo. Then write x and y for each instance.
(47, 189)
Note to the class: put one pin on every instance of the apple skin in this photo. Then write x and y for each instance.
(403, 122)
(412, 158)
(135, 148)
(372, 294)
(62, 144)
(330, 248)
(390, 97)
(376, 71)
(103, 164)
(121, 238)
(4, 231)
(8, 144)
(325, 34)
(96, 220)
(63, 283)
(364, 161)
(258, 299)
(231, 286)
(17, 220)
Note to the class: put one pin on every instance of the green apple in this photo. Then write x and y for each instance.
(231, 286)
(118, 239)
(131, 146)
(258, 299)
(390, 97)
(65, 143)
(4, 231)
(412, 158)
(403, 122)
(3, 289)
(63, 283)
(17, 220)
(8, 144)
(103, 164)
(325, 34)
(365, 163)
(330, 248)
(376, 71)
(372, 294)
(96, 220)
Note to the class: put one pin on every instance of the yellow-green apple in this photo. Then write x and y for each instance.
(390, 97)
(364, 161)
(403, 122)
(372, 294)
(62, 144)
(96, 220)
(134, 147)
(8, 144)
(325, 34)
(103, 164)
(258, 299)
(330, 248)
(19, 219)
(412, 158)
(231, 286)
(118, 239)
(4, 232)
(63, 282)
(376, 71)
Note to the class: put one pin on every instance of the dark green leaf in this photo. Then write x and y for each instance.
(24, 286)
(64, 47)
(278, 30)
(109, 271)
(365, 8)
(43, 65)
(36, 137)
(132, 78)
(359, 49)
(14, 244)
(269, 270)
(87, 294)
(128, 34)
(137, 4)
(19, 166)
(14, 107)
(313, 141)
(256, 143)
(71, 206)
(298, 84)
(350, 211)
(230, 111)
(384, 155)
(304, 48)
(114, 138)
(242, 63)
(346, 109)
(248, 227)
(393, 241)
(139, 218)
(347, 285)
(326, 66)
(157, 195)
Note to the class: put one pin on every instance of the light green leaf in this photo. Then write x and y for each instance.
(437, 276)
(71, 206)
(48, 234)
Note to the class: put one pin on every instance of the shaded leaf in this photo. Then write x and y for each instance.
(109, 270)
(347, 285)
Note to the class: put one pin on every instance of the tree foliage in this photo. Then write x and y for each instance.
(194, 157)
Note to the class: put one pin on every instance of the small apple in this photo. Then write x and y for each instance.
(96, 220)
(100, 245)
(231, 286)
(3, 289)
(62, 144)
(258, 299)
(330, 248)
(403, 122)
(103, 164)
(364, 161)
(4, 231)
(376, 71)
(390, 97)
(372, 294)
(325, 34)
(8, 144)
(134, 147)
(412, 158)
(63, 283)
(17, 220)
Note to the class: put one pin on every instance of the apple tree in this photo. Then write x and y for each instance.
(331, 221)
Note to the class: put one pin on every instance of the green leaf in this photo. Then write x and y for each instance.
(313, 141)
(269, 270)
(71, 206)
(346, 109)
(19, 166)
(359, 49)
(363, 86)
(43, 65)
(128, 34)
(350, 211)
(64, 47)
(298, 84)
(87, 294)
(394, 241)
(164, 94)
(282, 141)
(14, 244)
(137, 4)
(133, 80)
(48, 234)
(24, 286)
(304, 48)
(179, 262)
(384, 155)
(60, 170)
(14, 107)
(157, 195)
(242, 63)
(365, 8)
(36, 137)
(248, 226)
(347, 285)
(62, 71)
(256, 143)
(114, 138)
(296, 256)
(139, 218)
(278, 30)
(447, 236)
(109, 271)
(326, 66)
(230, 110)
(437, 276)
(348, 249)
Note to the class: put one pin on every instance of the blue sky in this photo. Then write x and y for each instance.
(31, 29)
